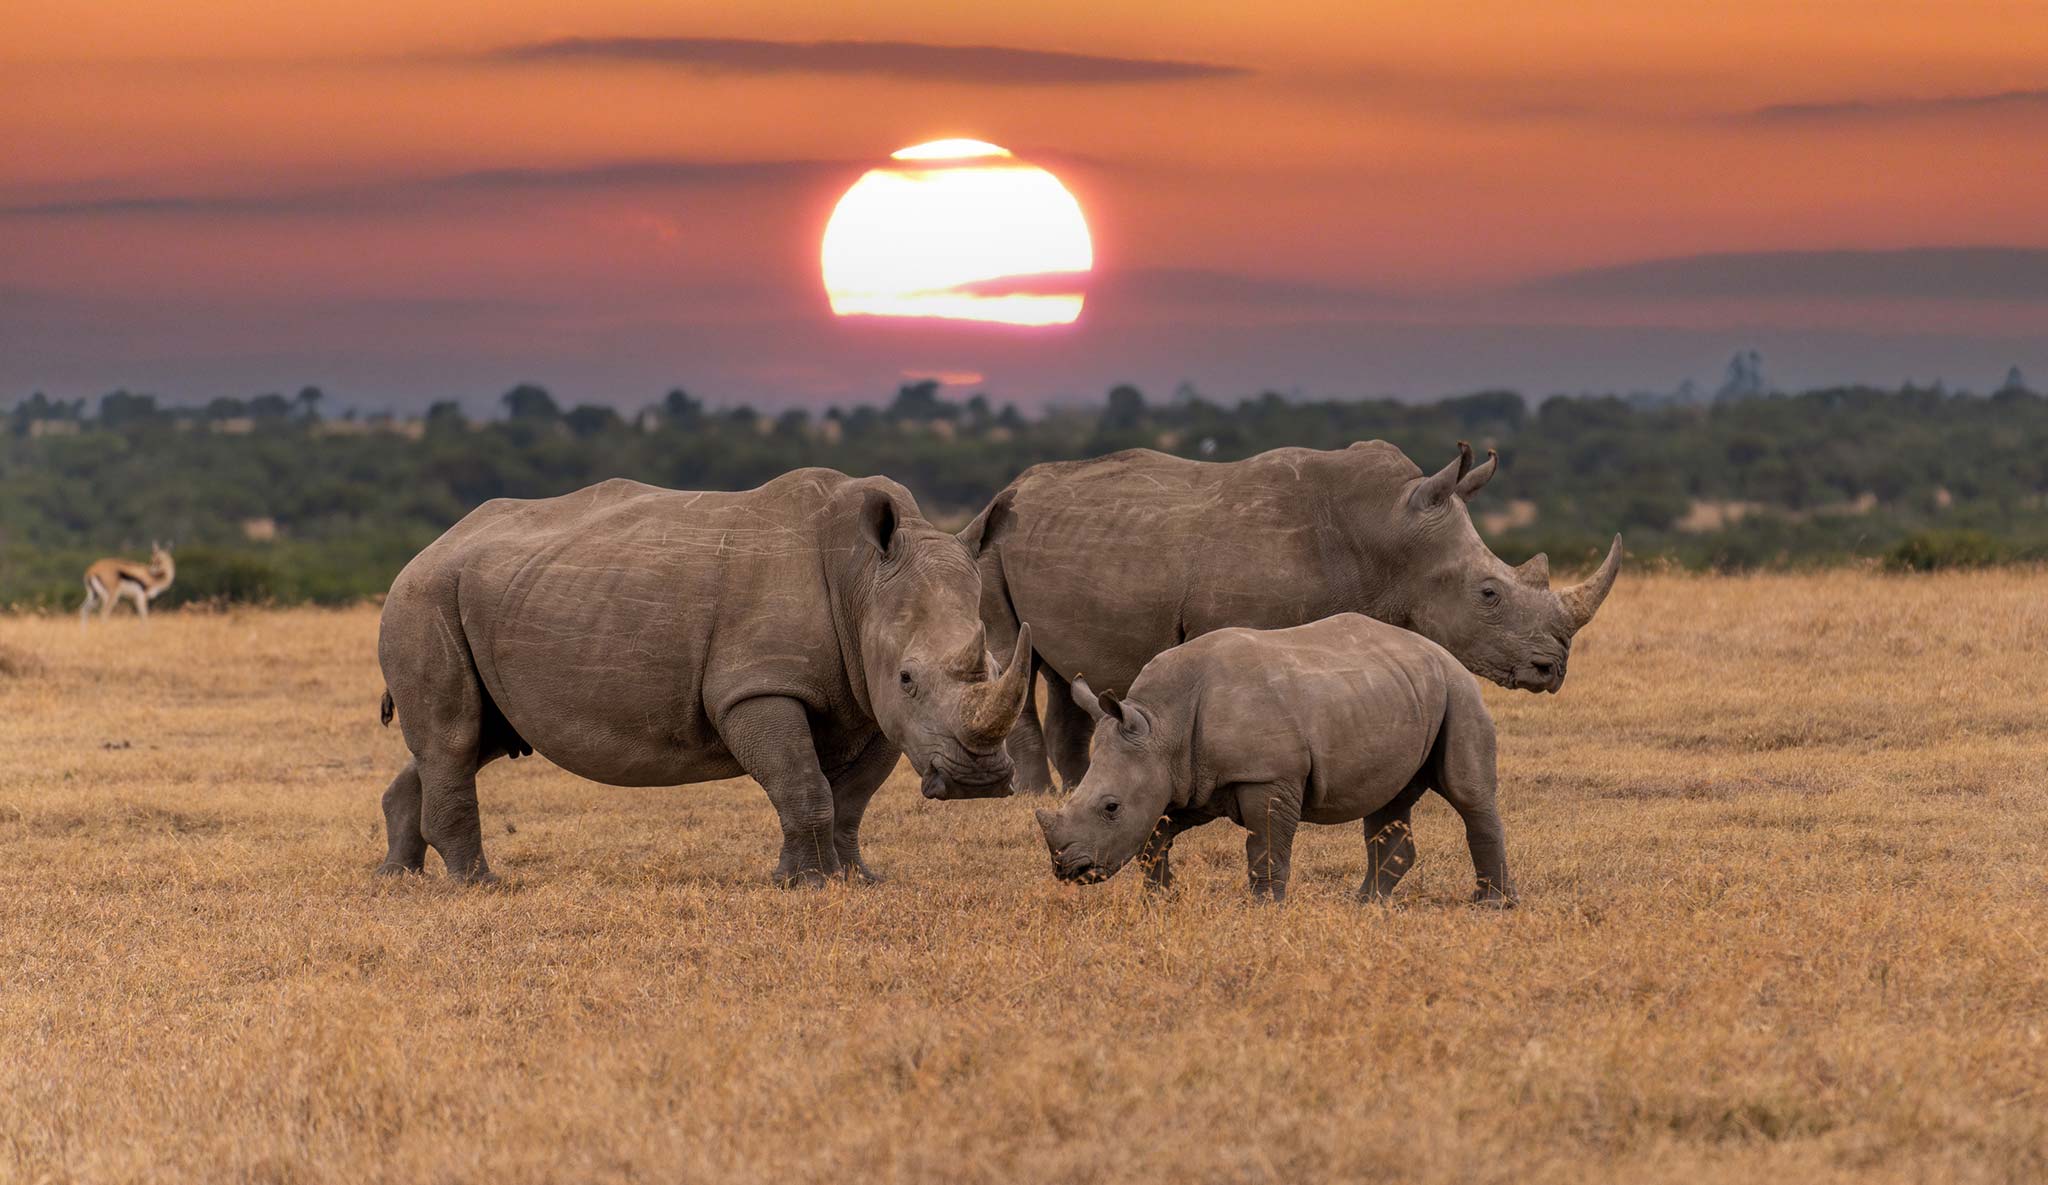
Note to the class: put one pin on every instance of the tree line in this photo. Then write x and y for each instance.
(269, 498)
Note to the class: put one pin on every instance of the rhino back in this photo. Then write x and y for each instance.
(1117, 559)
(1347, 707)
(613, 624)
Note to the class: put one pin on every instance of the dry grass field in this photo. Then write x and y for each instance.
(1782, 844)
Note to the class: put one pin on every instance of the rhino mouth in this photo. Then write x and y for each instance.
(1081, 869)
(1541, 677)
(943, 783)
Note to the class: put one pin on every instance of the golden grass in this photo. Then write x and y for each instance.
(1780, 844)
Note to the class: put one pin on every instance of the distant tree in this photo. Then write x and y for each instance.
(270, 406)
(528, 401)
(2014, 381)
(919, 402)
(680, 410)
(445, 415)
(119, 409)
(1745, 378)
(226, 408)
(793, 424)
(1487, 411)
(1126, 409)
(39, 406)
(589, 419)
(1747, 449)
(309, 398)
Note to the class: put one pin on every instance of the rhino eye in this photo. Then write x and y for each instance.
(904, 681)
(1489, 594)
(1110, 808)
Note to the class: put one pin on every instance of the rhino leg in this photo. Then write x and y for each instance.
(1026, 746)
(1466, 777)
(1067, 730)
(406, 846)
(1272, 812)
(449, 820)
(770, 736)
(852, 787)
(1156, 857)
(1389, 844)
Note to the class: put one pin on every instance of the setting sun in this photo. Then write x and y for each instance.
(959, 229)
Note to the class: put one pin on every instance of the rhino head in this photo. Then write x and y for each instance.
(932, 684)
(1503, 623)
(1128, 786)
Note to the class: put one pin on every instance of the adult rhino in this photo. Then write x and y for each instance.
(804, 633)
(1117, 559)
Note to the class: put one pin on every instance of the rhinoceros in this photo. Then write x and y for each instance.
(803, 633)
(1343, 719)
(1121, 557)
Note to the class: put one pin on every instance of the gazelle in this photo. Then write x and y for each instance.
(109, 580)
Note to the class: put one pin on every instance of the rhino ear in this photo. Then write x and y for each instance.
(1475, 479)
(1084, 698)
(1430, 492)
(978, 533)
(878, 519)
(1133, 720)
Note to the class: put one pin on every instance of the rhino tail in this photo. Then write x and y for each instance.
(387, 709)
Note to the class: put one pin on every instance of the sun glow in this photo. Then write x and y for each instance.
(959, 229)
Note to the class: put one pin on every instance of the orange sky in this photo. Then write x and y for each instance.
(389, 199)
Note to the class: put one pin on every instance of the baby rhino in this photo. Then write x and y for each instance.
(1345, 718)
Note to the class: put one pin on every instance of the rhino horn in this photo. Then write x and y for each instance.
(1582, 600)
(1535, 571)
(991, 708)
(1430, 492)
(1476, 478)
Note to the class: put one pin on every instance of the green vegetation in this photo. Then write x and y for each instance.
(269, 501)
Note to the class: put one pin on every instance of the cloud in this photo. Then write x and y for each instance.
(642, 172)
(1915, 273)
(407, 192)
(1899, 108)
(992, 64)
(1205, 286)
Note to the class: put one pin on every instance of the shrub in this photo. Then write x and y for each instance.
(1934, 551)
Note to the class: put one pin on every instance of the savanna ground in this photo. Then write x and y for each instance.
(1785, 913)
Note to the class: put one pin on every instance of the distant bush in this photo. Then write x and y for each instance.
(1934, 551)
(209, 575)
(268, 502)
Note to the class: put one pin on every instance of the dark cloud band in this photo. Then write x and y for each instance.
(992, 64)
(1849, 110)
(405, 193)
(1918, 273)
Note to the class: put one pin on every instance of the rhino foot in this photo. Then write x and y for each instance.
(1488, 896)
(858, 872)
(393, 868)
(809, 878)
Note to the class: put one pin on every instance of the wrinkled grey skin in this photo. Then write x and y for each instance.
(803, 633)
(1345, 719)
(1117, 559)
